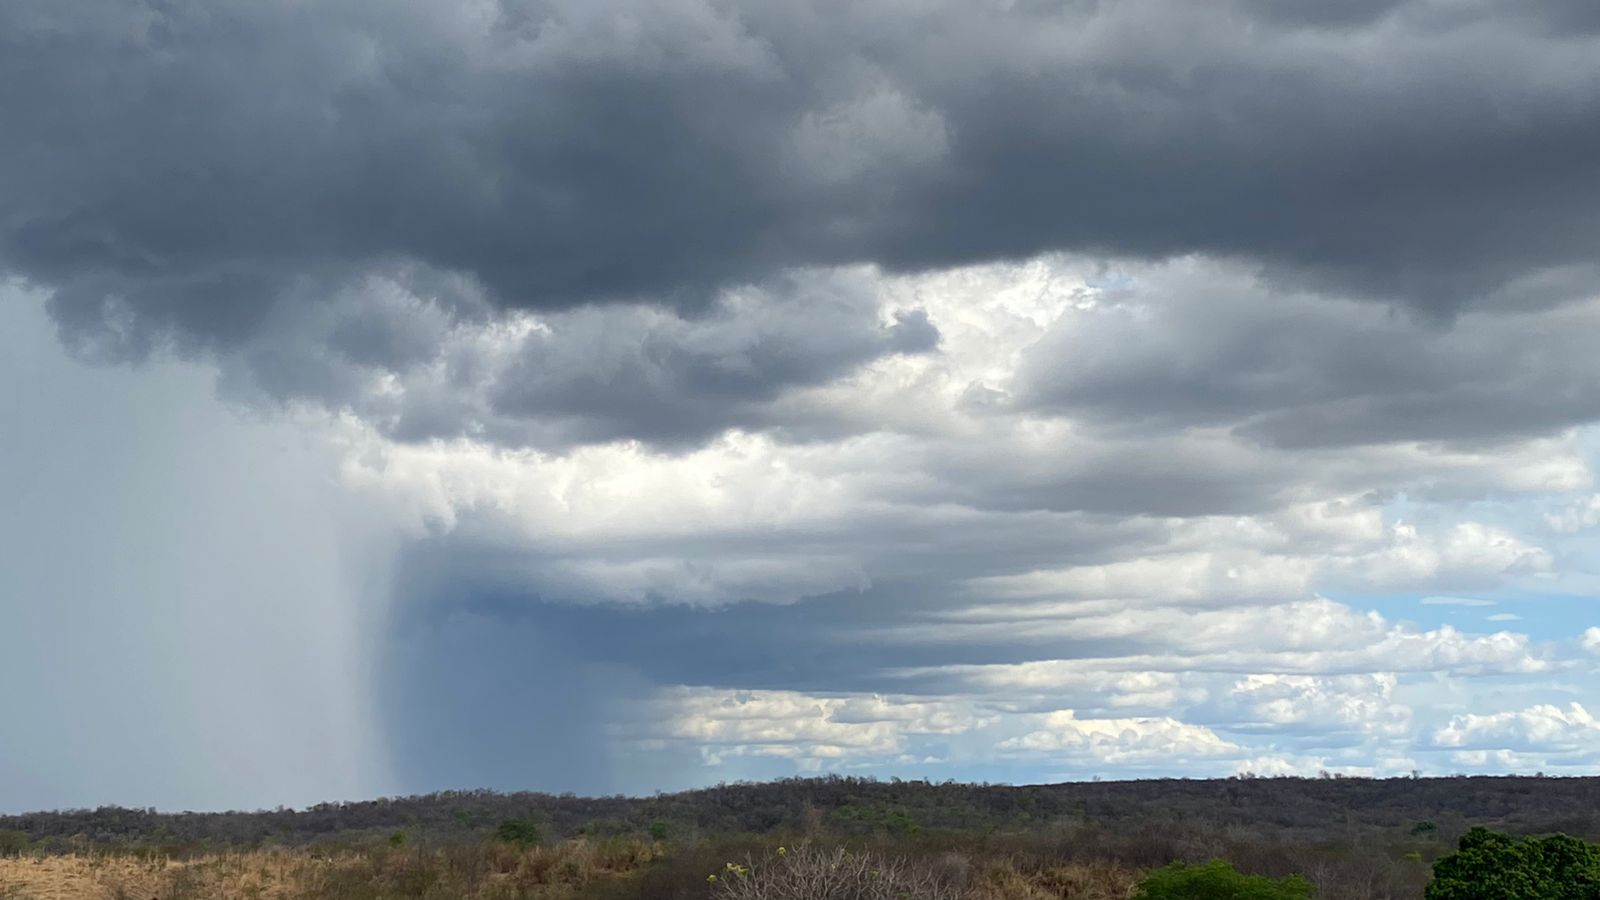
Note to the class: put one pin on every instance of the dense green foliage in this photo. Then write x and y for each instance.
(1491, 866)
(520, 832)
(13, 841)
(1218, 880)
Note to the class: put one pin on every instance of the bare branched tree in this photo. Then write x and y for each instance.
(810, 873)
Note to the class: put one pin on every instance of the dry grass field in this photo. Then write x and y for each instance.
(1353, 839)
(569, 870)
(74, 877)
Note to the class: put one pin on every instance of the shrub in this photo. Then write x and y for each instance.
(522, 832)
(1492, 866)
(1217, 880)
(13, 841)
(899, 823)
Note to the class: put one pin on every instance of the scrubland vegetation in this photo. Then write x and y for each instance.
(848, 839)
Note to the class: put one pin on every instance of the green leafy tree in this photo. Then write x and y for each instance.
(1217, 880)
(660, 830)
(898, 822)
(13, 841)
(1492, 866)
(522, 832)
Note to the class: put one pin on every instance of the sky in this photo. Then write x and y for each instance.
(619, 396)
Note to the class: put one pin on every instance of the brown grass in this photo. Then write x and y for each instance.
(76, 877)
(619, 869)
(492, 872)
(1077, 881)
(811, 872)
(576, 870)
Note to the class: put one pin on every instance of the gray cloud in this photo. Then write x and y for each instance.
(420, 367)
(641, 373)
(565, 294)
(176, 170)
(1197, 345)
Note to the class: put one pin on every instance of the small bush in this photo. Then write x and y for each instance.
(1217, 880)
(522, 832)
(13, 842)
(1492, 866)
(899, 823)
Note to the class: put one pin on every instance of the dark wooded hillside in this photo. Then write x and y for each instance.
(1305, 810)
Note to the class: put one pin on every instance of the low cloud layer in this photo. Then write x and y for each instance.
(696, 391)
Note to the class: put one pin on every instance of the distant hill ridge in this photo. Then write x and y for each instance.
(1308, 808)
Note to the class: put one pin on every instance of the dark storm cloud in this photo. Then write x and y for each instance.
(417, 368)
(1245, 251)
(1201, 345)
(174, 168)
(659, 377)
(829, 642)
(1165, 477)
(1317, 14)
(475, 702)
